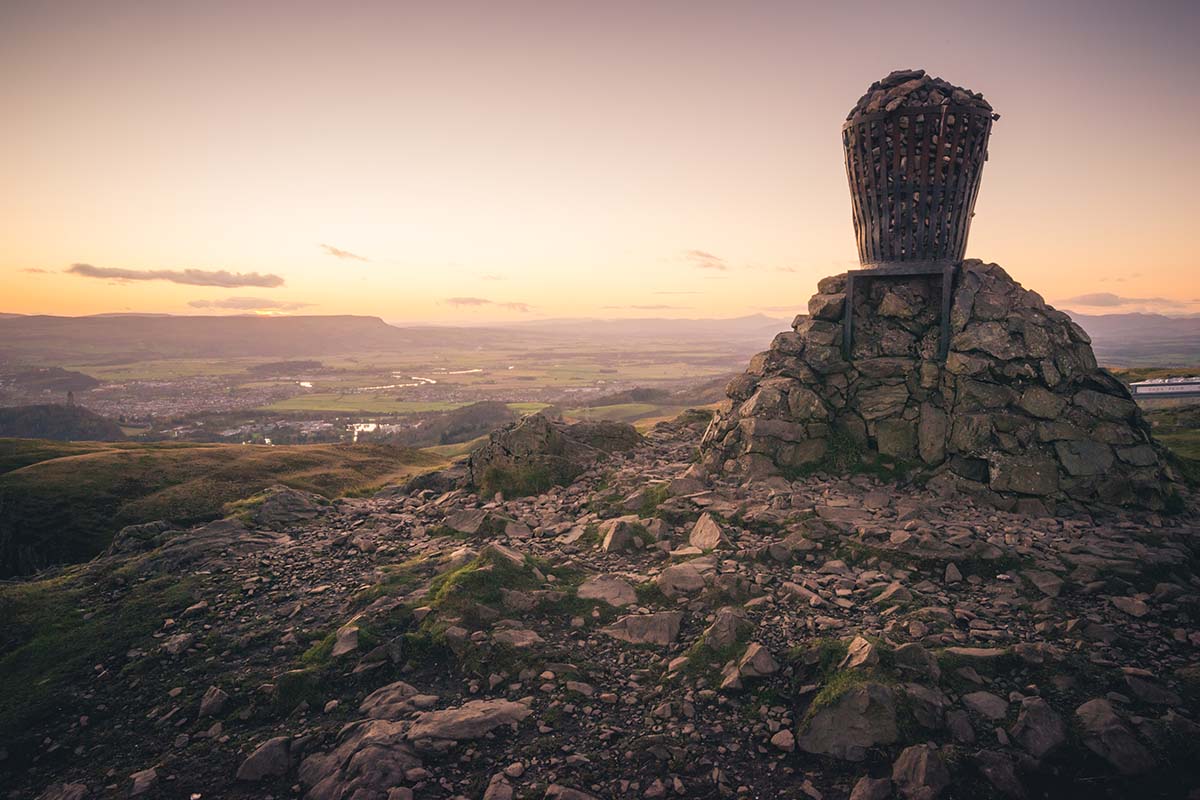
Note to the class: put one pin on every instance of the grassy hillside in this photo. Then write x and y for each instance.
(62, 502)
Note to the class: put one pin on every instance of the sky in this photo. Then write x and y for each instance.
(458, 162)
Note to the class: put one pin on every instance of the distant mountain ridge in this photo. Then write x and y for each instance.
(1142, 339)
(1118, 339)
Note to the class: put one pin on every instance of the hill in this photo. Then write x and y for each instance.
(58, 422)
(1146, 340)
(63, 505)
(131, 337)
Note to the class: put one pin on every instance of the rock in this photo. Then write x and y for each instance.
(1132, 606)
(727, 628)
(757, 662)
(1031, 474)
(64, 791)
(1000, 771)
(706, 533)
(607, 589)
(282, 506)
(517, 638)
(468, 721)
(784, 740)
(894, 593)
(271, 759)
(871, 789)
(920, 773)
(369, 758)
(987, 705)
(180, 642)
(1106, 736)
(827, 306)
(213, 702)
(394, 701)
(1039, 729)
(1085, 457)
(659, 628)
(619, 533)
(862, 717)
(498, 788)
(537, 452)
(556, 792)
(861, 653)
(346, 641)
(1047, 583)
(914, 658)
(143, 782)
(680, 579)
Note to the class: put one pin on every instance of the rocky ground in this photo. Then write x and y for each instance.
(637, 633)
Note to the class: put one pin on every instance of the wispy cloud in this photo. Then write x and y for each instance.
(1110, 300)
(249, 304)
(338, 252)
(492, 276)
(192, 277)
(36, 271)
(468, 302)
(704, 260)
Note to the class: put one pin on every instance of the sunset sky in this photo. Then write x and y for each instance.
(469, 162)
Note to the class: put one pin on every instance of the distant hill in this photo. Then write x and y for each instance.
(1142, 339)
(123, 338)
(61, 423)
(1121, 339)
(48, 379)
(63, 503)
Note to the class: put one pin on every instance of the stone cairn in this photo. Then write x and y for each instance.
(1013, 407)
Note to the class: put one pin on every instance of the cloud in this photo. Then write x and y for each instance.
(338, 252)
(524, 308)
(492, 276)
(192, 277)
(36, 271)
(703, 260)
(1110, 300)
(249, 304)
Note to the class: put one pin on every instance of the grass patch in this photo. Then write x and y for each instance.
(65, 509)
(655, 495)
(512, 482)
(49, 648)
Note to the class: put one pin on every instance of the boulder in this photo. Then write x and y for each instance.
(706, 533)
(468, 721)
(1106, 736)
(271, 759)
(536, 452)
(282, 506)
(659, 628)
(369, 758)
(920, 773)
(1039, 728)
(607, 589)
(862, 717)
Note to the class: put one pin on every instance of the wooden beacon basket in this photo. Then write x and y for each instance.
(914, 174)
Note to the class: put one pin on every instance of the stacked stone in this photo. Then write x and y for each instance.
(912, 88)
(1018, 409)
